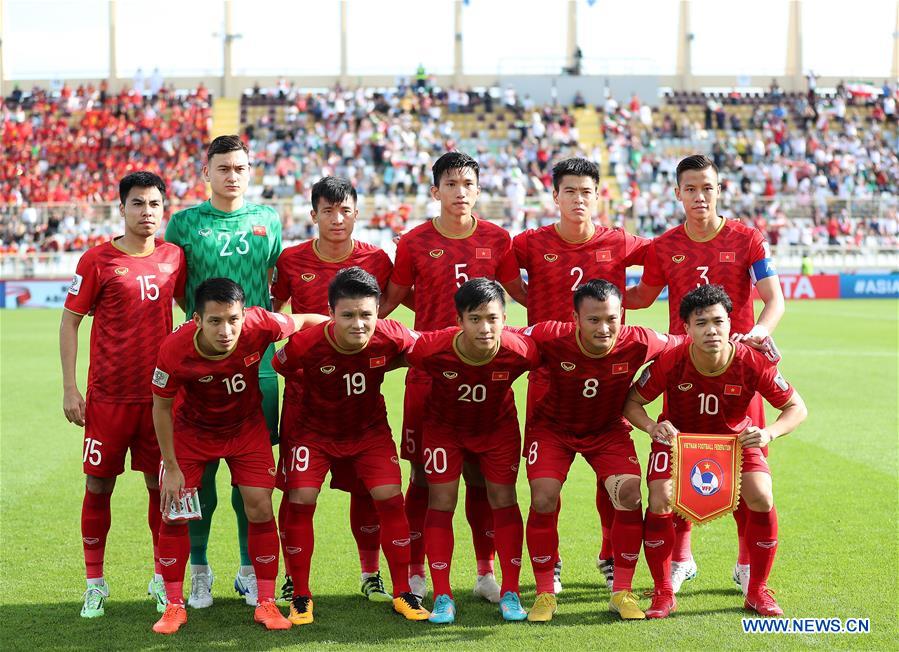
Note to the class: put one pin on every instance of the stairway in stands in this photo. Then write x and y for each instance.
(225, 116)
(590, 136)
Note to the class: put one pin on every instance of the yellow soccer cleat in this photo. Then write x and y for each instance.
(409, 606)
(300, 610)
(624, 603)
(543, 609)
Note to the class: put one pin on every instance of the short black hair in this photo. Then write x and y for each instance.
(454, 161)
(353, 283)
(332, 189)
(575, 167)
(705, 296)
(141, 179)
(596, 288)
(225, 144)
(220, 290)
(695, 162)
(476, 292)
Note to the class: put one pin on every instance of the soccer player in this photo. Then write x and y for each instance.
(708, 248)
(437, 257)
(343, 362)
(128, 286)
(590, 363)
(301, 280)
(470, 415)
(557, 258)
(209, 364)
(710, 383)
(228, 237)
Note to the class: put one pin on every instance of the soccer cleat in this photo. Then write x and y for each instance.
(94, 599)
(373, 588)
(487, 588)
(510, 607)
(663, 605)
(763, 603)
(409, 606)
(557, 577)
(444, 611)
(543, 609)
(682, 571)
(246, 586)
(607, 568)
(270, 616)
(201, 590)
(624, 603)
(286, 592)
(156, 588)
(418, 584)
(173, 617)
(300, 610)
(741, 577)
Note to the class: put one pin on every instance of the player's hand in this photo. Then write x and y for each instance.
(754, 338)
(663, 432)
(754, 437)
(73, 406)
(170, 489)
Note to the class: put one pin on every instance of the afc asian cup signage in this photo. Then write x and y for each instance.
(705, 470)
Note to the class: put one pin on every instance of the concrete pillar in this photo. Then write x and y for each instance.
(793, 70)
(227, 38)
(457, 46)
(684, 70)
(344, 76)
(571, 33)
(894, 69)
(113, 73)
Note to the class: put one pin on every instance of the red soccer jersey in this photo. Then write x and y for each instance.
(728, 259)
(218, 393)
(587, 392)
(342, 389)
(131, 300)
(556, 266)
(712, 404)
(437, 265)
(468, 395)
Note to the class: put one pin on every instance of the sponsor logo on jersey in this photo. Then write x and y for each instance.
(166, 268)
(292, 550)
(205, 232)
(415, 536)
(435, 253)
(488, 533)
(328, 369)
(205, 379)
(271, 471)
(781, 382)
(307, 277)
(630, 556)
(733, 390)
(727, 257)
(678, 258)
(550, 258)
(685, 387)
(567, 366)
(766, 544)
(516, 561)
(483, 253)
(393, 458)
(75, 287)
(451, 375)
(644, 377)
(374, 363)
(542, 559)
(633, 460)
(514, 468)
(499, 375)
(603, 255)
(402, 543)
(259, 229)
(121, 271)
(90, 540)
(160, 378)
(439, 565)
(167, 561)
(251, 359)
(654, 543)
(369, 529)
(266, 559)
(619, 368)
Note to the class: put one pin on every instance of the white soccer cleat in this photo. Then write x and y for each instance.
(487, 588)
(607, 568)
(200, 588)
(246, 586)
(741, 577)
(418, 585)
(682, 571)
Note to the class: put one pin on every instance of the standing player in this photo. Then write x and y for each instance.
(437, 258)
(710, 383)
(590, 363)
(470, 416)
(228, 237)
(708, 248)
(301, 280)
(343, 362)
(558, 257)
(127, 285)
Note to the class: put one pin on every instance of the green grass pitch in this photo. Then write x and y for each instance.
(835, 485)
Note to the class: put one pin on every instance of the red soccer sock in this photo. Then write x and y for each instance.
(741, 516)
(416, 510)
(480, 517)
(543, 542)
(366, 530)
(761, 535)
(627, 531)
(263, 546)
(439, 543)
(154, 518)
(395, 541)
(606, 521)
(509, 537)
(300, 544)
(96, 517)
(658, 541)
(283, 519)
(682, 549)
(174, 550)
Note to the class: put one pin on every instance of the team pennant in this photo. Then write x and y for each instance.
(705, 470)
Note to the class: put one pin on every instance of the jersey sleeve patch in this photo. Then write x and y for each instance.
(644, 377)
(75, 286)
(781, 382)
(160, 378)
(762, 269)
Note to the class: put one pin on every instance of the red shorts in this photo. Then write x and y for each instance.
(496, 452)
(417, 389)
(660, 462)
(248, 454)
(371, 457)
(538, 385)
(550, 452)
(110, 429)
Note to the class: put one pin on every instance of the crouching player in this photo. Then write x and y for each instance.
(709, 383)
(210, 364)
(343, 362)
(589, 364)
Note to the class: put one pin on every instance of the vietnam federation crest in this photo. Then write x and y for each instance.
(706, 477)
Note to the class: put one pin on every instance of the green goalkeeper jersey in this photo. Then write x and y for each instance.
(242, 245)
